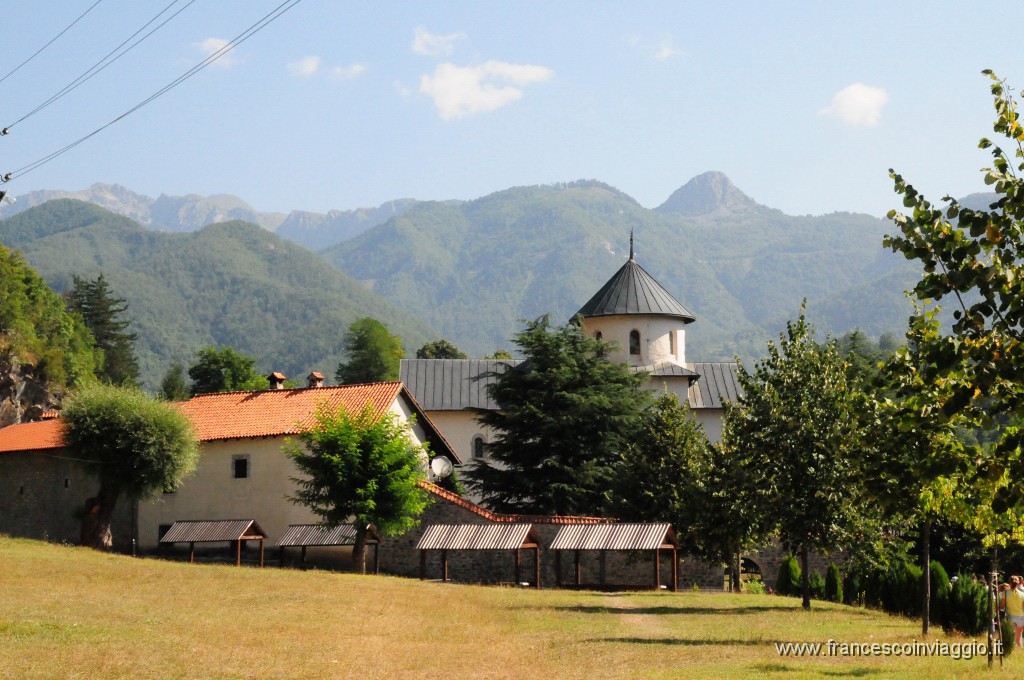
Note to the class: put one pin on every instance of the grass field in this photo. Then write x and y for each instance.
(75, 613)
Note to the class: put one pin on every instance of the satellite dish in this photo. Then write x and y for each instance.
(441, 467)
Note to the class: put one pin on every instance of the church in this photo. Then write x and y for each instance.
(645, 323)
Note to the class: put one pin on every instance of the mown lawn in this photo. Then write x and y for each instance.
(75, 613)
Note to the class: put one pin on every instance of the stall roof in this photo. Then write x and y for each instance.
(297, 535)
(478, 537)
(614, 537)
(208, 531)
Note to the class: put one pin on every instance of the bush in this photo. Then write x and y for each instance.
(754, 587)
(788, 582)
(852, 588)
(899, 589)
(967, 612)
(1006, 633)
(939, 593)
(833, 584)
(817, 585)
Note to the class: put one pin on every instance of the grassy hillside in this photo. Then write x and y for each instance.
(72, 612)
(475, 269)
(232, 283)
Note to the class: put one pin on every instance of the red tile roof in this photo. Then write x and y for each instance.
(236, 415)
(510, 518)
(37, 436)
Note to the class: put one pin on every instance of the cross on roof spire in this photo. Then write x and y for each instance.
(631, 244)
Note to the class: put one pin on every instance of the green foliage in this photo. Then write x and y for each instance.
(972, 258)
(940, 589)
(817, 582)
(224, 369)
(373, 354)
(360, 466)
(968, 607)
(789, 579)
(794, 431)
(566, 413)
(833, 584)
(231, 283)
(452, 483)
(1006, 634)
(852, 590)
(440, 349)
(103, 314)
(755, 587)
(35, 328)
(174, 387)
(500, 354)
(135, 444)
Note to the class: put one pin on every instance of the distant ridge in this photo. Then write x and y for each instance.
(708, 194)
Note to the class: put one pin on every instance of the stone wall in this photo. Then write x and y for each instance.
(42, 494)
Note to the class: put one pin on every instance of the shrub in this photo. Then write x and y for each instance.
(852, 588)
(833, 584)
(939, 593)
(899, 588)
(817, 585)
(754, 587)
(788, 582)
(968, 607)
(1006, 633)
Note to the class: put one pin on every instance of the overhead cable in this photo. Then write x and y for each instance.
(265, 21)
(52, 40)
(100, 65)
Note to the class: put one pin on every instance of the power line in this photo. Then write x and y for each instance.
(52, 40)
(100, 66)
(262, 23)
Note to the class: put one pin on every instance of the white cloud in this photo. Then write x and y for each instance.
(211, 46)
(666, 49)
(427, 43)
(857, 104)
(305, 67)
(660, 49)
(460, 91)
(348, 72)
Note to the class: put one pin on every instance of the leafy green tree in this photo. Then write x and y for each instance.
(971, 257)
(373, 353)
(360, 467)
(36, 329)
(566, 413)
(440, 349)
(174, 386)
(103, 315)
(500, 354)
(135, 444)
(224, 369)
(793, 430)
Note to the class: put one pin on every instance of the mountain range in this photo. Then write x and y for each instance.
(469, 271)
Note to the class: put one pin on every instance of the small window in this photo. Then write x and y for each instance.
(598, 336)
(21, 491)
(478, 448)
(672, 343)
(240, 467)
(634, 342)
(162, 531)
(67, 483)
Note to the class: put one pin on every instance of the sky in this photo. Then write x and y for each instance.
(339, 105)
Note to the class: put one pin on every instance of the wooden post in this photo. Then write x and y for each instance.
(376, 558)
(191, 553)
(518, 559)
(558, 568)
(675, 569)
(302, 561)
(536, 561)
(423, 565)
(579, 572)
(444, 566)
(261, 552)
(238, 553)
(657, 568)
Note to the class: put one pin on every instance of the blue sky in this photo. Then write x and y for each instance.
(804, 105)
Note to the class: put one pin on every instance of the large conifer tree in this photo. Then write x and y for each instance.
(102, 312)
(565, 413)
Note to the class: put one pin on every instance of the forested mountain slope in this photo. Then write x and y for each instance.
(232, 283)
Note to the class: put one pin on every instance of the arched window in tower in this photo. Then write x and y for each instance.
(478, 447)
(672, 343)
(598, 336)
(634, 342)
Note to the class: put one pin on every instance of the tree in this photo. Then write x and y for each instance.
(102, 313)
(373, 353)
(793, 430)
(173, 387)
(224, 369)
(566, 413)
(362, 467)
(500, 354)
(440, 349)
(135, 444)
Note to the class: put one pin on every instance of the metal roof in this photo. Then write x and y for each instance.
(666, 369)
(718, 383)
(477, 537)
(451, 384)
(206, 531)
(633, 291)
(614, 537)
(321, 534)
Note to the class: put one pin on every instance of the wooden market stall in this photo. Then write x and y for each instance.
(233, 531)
(604, 537)
(511, 537)
(323, 536)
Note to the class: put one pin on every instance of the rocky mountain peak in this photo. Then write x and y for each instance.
(707, 194)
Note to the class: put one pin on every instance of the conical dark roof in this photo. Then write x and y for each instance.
(633, 291)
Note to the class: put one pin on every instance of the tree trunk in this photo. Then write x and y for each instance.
(926, 565)
(359, 549)
(805, 577)
(99, 512)
(737, 586)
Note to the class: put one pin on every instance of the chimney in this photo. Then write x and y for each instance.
(276, 380)
(315, 379)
